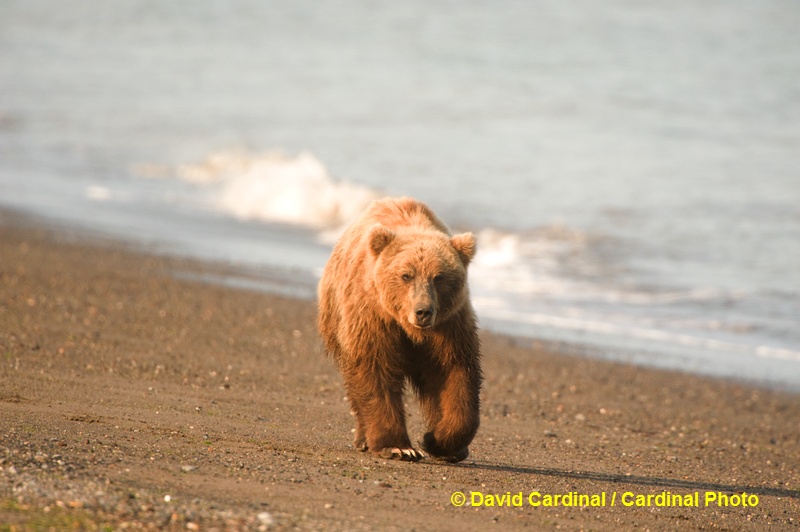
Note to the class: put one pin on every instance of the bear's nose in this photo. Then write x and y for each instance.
(423, 314)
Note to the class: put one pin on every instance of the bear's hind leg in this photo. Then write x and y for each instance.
(360, 439)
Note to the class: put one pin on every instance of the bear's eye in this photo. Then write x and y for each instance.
(407, 277)
(439, 278)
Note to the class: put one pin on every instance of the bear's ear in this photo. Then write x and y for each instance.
(379, 238)
(464, 245)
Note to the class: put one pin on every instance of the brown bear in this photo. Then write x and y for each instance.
(394, 307)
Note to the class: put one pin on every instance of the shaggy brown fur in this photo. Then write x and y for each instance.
(394, 306)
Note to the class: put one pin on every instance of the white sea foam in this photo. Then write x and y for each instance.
(779, 354)
(534, 264)
(98, 193)
(514, 264)
(276, 188)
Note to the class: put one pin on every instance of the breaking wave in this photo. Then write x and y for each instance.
(277, 188)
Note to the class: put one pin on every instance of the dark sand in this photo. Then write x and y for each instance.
(130, 398)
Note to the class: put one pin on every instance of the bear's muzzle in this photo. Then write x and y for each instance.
(423, 313)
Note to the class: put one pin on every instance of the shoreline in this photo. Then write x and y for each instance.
(215, 406)
(299, 284)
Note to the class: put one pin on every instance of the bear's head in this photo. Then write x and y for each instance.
(420, 276)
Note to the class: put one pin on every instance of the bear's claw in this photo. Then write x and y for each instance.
(404, 454)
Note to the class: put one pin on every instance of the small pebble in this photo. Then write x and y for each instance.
(265, 518)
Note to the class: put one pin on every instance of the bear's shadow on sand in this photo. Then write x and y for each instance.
(633, 479)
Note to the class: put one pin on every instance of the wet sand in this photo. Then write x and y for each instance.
(133, 397)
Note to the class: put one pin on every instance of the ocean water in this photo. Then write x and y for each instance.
(631, 169)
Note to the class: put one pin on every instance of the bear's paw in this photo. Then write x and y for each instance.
(405, 454)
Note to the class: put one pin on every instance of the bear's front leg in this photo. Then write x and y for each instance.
(376, 398)
(450, 402)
